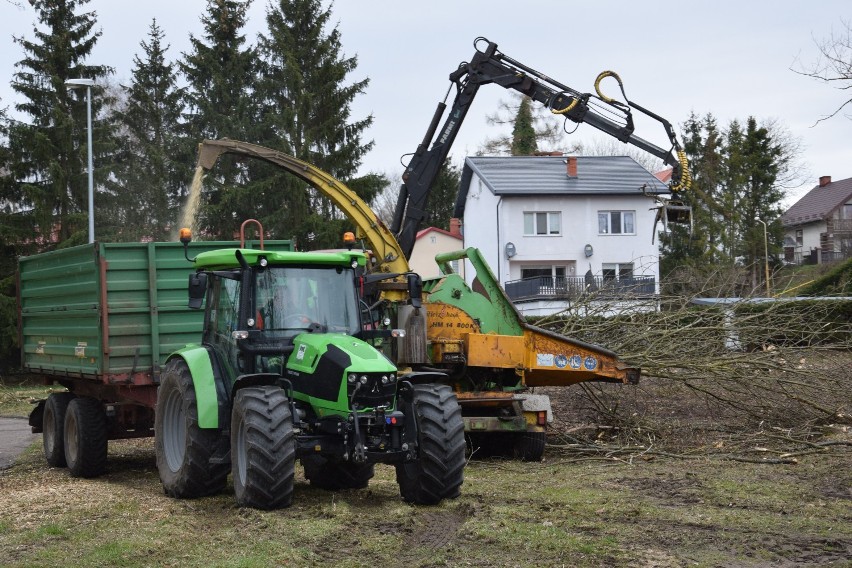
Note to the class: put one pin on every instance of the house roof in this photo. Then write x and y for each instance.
(665, 175)
(423, 232)
(818, 203)
(542, 175)
(548, 175)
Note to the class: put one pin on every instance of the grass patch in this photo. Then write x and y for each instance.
(17, 399)
(552, 513)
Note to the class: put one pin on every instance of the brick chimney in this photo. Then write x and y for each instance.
(824, 180)
(572, 166)
(455, 227)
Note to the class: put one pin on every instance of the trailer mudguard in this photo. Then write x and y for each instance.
(201, 367)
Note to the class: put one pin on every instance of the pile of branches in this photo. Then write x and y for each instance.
(718, 372)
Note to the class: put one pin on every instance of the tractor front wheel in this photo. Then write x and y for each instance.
(183, 449)
(263, 448)
(438, 471)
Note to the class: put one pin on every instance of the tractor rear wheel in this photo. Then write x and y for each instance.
(438, 472)
(335, 476)
(183, 449)
(85, 437)
(53, 428)
(263, 448)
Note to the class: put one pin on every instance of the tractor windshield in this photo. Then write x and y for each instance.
(291, 300)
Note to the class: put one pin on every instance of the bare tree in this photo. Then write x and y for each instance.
(612, 147)
(834, 66)
(384, 202)
(549, 132)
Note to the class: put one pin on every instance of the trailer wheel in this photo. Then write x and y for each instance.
(529, 446)
(53, 427)
(86, 437)
(334, 476)
(438, 472)
(263, 448)
(183, 449)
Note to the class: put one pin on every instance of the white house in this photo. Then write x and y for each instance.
(551, 227)
(432, 241)
(818, 227)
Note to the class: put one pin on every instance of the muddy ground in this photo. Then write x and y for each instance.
(669, 483)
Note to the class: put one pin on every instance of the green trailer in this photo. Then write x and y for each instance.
(101, 319)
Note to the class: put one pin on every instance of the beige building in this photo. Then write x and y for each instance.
(432, 241)
(818, 227)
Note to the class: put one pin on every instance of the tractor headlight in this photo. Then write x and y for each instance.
(353, 378)
(364, 379)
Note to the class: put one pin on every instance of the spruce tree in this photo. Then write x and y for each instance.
(442, 199)
(152, 177)
(16, 232)
(523, 132)
(48, 156)
(755, 160)
(538, 126)
(306, 113)
(706, 245)
(220, 70)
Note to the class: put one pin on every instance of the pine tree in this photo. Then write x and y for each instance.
(523, 132)
(307, 114)
(220, 71)
(151, 179)
(49, 155)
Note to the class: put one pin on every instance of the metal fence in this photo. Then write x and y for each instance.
(570, 287)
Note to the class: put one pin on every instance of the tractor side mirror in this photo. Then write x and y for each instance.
(197, 289)
(415, 290)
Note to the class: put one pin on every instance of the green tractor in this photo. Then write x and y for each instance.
(287, 369)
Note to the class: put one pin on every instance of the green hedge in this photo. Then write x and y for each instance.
(837, 282)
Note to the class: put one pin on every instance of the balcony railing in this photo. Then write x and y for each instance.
(571, 287)
(815, 257)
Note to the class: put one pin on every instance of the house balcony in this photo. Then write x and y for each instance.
(573, 287)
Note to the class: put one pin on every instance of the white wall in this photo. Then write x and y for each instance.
(422, 259)
(480, 226)
(810, 236)
(485, 212)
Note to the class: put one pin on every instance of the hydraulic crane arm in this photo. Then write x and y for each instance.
(491, 66)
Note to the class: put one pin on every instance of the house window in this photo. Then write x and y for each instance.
(616, 222)
(617, 271)
(547, 271)
(799, 238)
(542, 223)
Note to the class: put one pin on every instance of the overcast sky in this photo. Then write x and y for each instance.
(729, 58)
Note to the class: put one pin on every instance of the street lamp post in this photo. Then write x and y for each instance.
(765, 254)
(74, 84)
